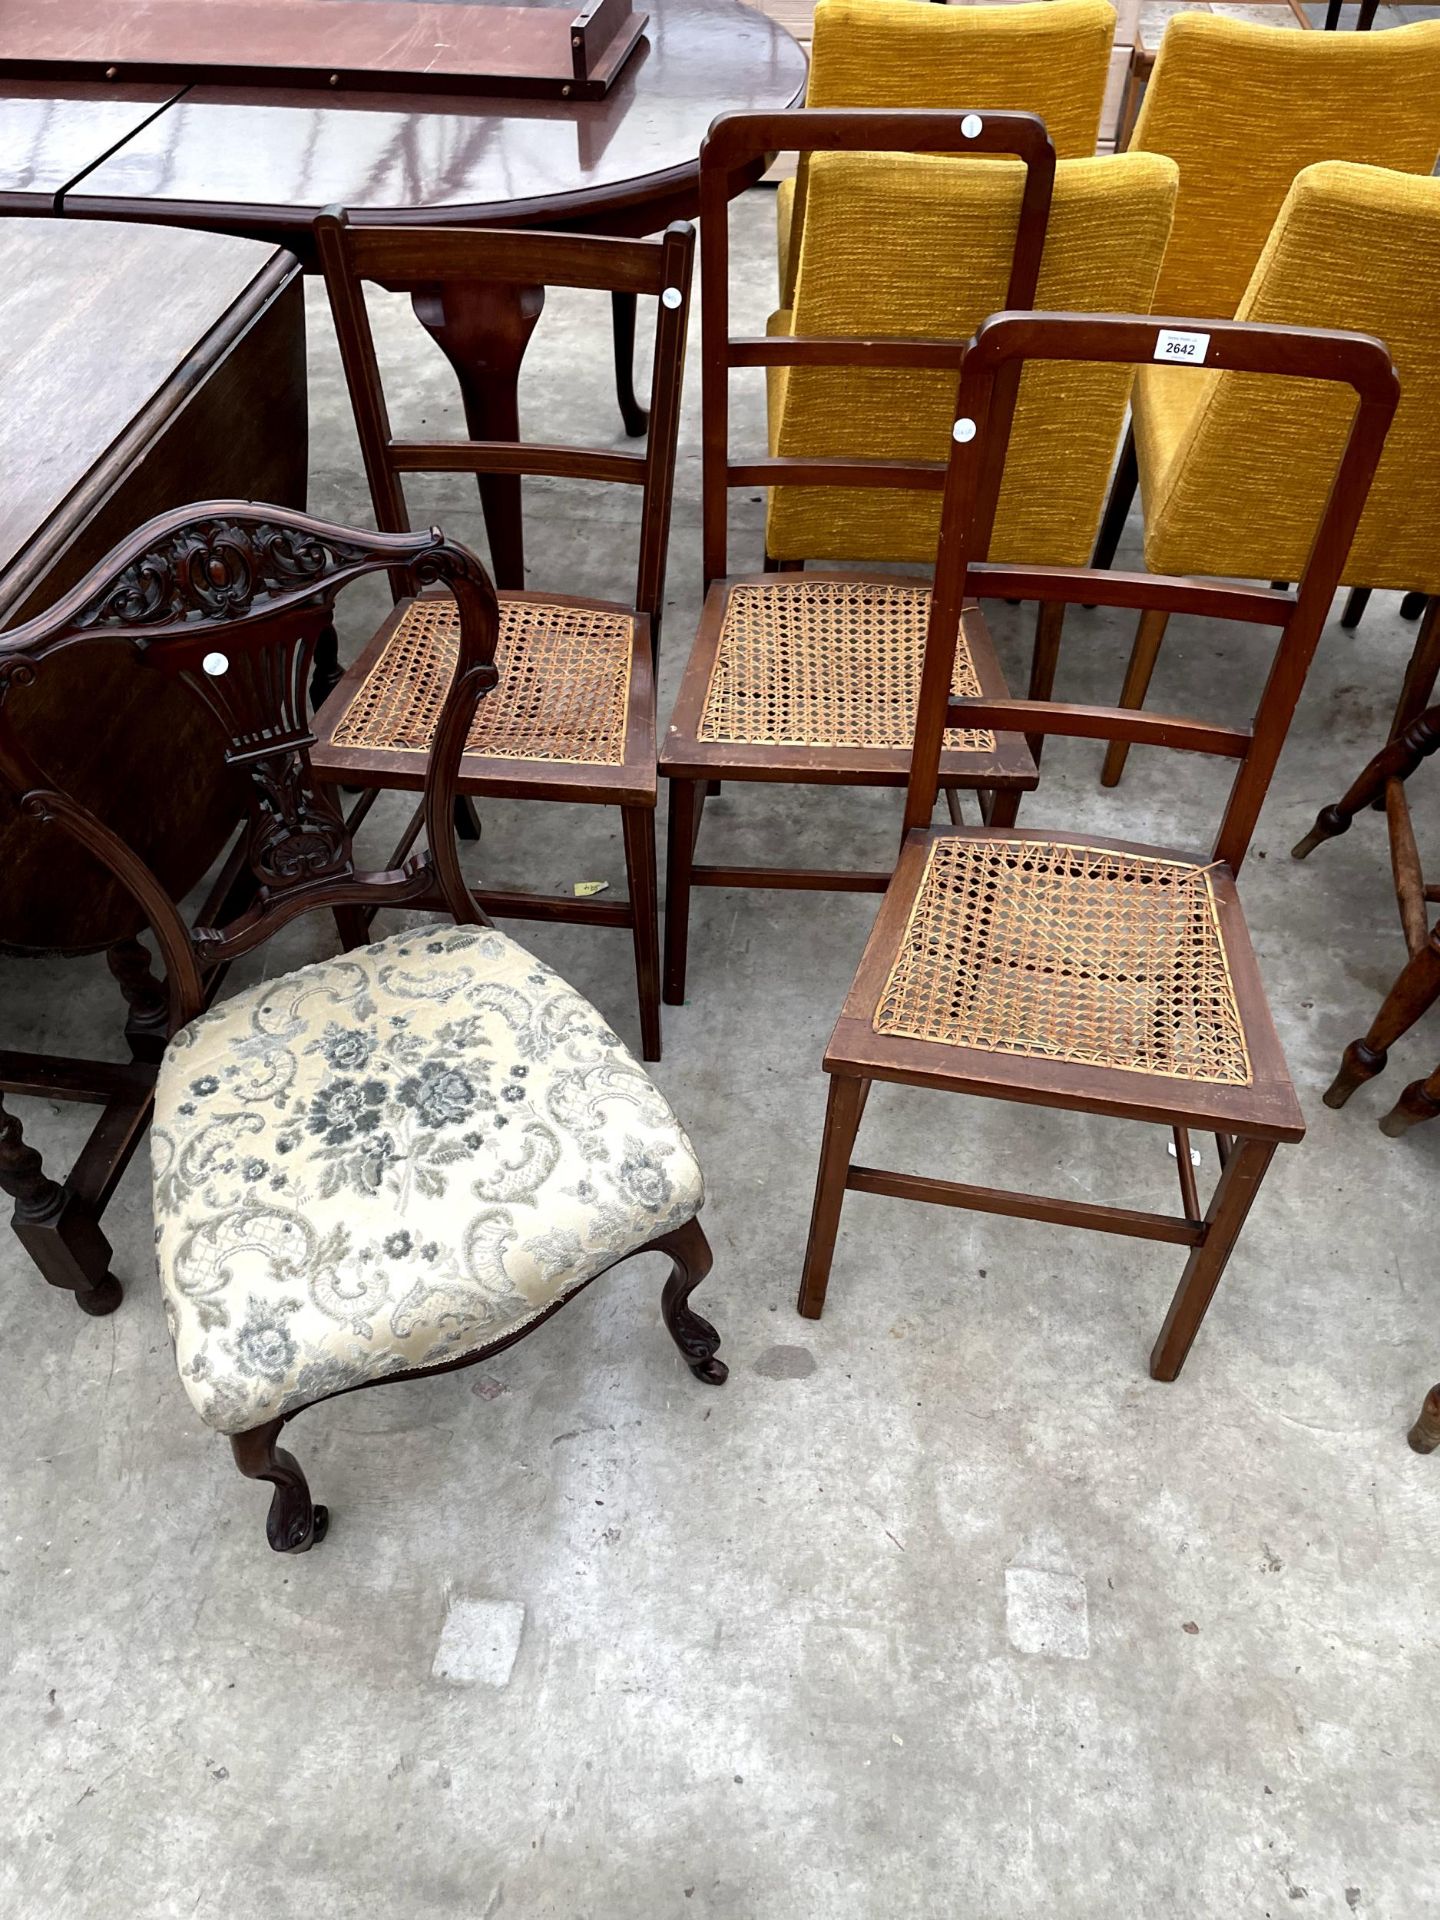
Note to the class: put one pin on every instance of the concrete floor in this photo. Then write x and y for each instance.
(941, 1607)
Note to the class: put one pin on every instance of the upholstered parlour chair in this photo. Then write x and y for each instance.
(385, 1164)
(1233, 474)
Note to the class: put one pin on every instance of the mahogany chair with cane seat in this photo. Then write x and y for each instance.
(813, 681)
(574, 716)
(1065, 970)
(381, 1165)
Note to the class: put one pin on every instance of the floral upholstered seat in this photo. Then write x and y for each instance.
(386, 1160)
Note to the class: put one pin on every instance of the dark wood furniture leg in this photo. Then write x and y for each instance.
(679, 858)
(1420, 1101)
(1416, 987)
(1143, 654)
(149, 1004)
(843, 1110)
(1366, 18)
(483, 331)
(294, 1523)
(1049, 624)
(696, 1338)
(622, 321)
(1422, 672)
(1235, 1190)
(1117, 507)
(639, 830)
(1412, 606)
(1356, 602)
(55, 1227)
(1424, 1436)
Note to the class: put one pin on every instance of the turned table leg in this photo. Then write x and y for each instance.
(56, 1229)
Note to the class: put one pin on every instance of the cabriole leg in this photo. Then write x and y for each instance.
(294, 1523)
(690, 1252)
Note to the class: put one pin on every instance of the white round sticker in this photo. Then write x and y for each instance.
(964, 430)
(672, 297)
(970, 126)
(215, 664)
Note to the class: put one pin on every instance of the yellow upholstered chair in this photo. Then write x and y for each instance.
(947, 228)
(1242, 110)
(1049, 58)
(1233, 477)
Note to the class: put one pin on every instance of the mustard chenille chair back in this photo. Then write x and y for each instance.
(945, 231)
(1242, 109)
(1238, 487)
(1049, 57)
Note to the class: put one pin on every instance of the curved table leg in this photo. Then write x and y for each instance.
(483, 331)
(622, 319)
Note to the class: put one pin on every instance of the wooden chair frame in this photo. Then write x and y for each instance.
(423, 262)
(228, 599)
(1250, 1120)
(695, 767)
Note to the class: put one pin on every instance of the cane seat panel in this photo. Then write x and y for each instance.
(563, 693)
(1068, 952)
(827, 663)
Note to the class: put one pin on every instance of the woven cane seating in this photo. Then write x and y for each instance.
(1068, 951)
(827, 663)
(564, 684)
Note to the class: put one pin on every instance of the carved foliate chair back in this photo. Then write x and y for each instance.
(420, 261)
(228, 600)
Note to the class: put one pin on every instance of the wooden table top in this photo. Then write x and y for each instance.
(88, 353)
(265, 162)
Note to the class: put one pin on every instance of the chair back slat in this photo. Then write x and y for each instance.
(735, 141)
(977, 458)
(417, 261)
(227, 599)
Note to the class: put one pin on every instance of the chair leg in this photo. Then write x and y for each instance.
(1416, 987)
(353, 926)
(1143, 655)
(1356, 602)
(1365, 20)
(55, 1227)
(845, 1105)
(1332, 16)
(639, 830)
(467, 818)
(1424, 1436)
(147, 1028)
(1117, 507)
(1235, 1190)
(1422, 672)
(294, 1523)
(1045, 658)
(1412, 606)
(696, 1338)
(622, 325)
(679, 858)
(1420, 1101)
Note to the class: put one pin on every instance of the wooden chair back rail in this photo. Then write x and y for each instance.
(412, 259)
(977, 460)
(1098, 723)
(735, 141)
(505, 456)
(1168, 593)
(228, 599)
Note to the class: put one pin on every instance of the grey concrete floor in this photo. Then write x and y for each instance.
(941, 1607)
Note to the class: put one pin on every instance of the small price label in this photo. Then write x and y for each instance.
(1189, 348)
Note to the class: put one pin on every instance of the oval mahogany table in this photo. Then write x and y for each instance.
(263, 163)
